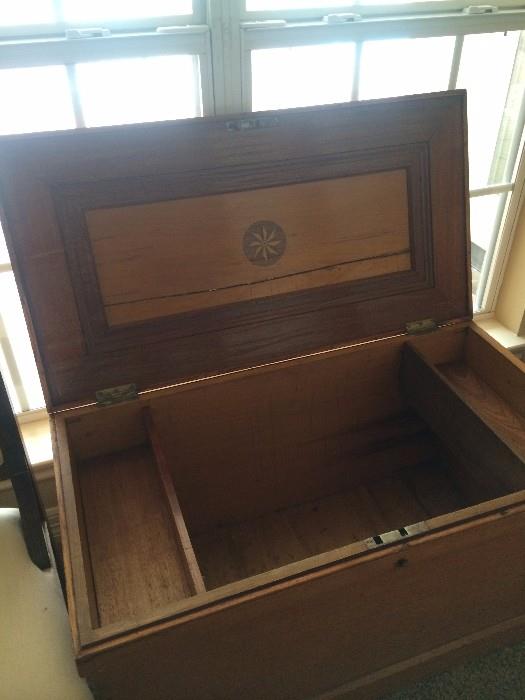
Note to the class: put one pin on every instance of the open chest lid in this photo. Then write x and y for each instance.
(155, 253)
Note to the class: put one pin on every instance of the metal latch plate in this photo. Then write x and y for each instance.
(396, 536)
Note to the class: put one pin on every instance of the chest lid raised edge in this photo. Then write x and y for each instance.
(154, 253)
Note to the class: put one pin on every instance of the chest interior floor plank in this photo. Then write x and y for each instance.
(244, 549)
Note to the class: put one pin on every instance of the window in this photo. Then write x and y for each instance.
(148, 60)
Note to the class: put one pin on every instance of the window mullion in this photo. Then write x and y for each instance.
(75, 97)
(224, 19)
(510, 131)
(12, 368)
(59, 11)
(456, 60)
(512, 154)
(357, 71)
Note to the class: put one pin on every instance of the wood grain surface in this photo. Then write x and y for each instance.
(73, 274)
(159, 259)
(136, 563)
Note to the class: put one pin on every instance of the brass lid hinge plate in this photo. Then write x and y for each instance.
(116, 394)
(425, 325)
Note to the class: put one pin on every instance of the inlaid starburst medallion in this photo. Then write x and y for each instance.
(264, 243)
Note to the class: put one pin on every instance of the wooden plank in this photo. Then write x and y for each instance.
(500, 369)
(489, 405)
(135, 559)
(470, 437)
(208, 251)
(78, 572)
(332, 627)
(166, 479)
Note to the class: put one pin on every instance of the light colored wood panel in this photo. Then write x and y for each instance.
(135, 560)
(155, 308)
(193, 250)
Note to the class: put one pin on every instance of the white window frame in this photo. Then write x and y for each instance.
(367, 10)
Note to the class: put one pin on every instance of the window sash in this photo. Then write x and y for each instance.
(194, 41)
(143, 24)
(401, 9)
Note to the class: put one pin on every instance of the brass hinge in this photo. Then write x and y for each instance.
(116, 394)
(425, 325)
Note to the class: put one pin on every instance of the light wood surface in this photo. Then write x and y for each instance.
(134, 555)
(159, 259)
(499, 369)
(489, 405)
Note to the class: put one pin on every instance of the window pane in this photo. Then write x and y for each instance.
(82, 11)
(485, 71)
(139, 90)
(405, 66)
(19, 12)
(302, 75)
(12, 322)
(485, 213)
(35, 99)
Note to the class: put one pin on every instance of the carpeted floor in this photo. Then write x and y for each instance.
(500, 674)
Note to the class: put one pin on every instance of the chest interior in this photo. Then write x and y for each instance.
(211, 483)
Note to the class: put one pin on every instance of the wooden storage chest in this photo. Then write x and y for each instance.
(319, 491)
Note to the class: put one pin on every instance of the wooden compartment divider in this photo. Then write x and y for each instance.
(469, 434)
(181, 532)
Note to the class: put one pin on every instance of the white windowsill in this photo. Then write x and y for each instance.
(500, 333)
